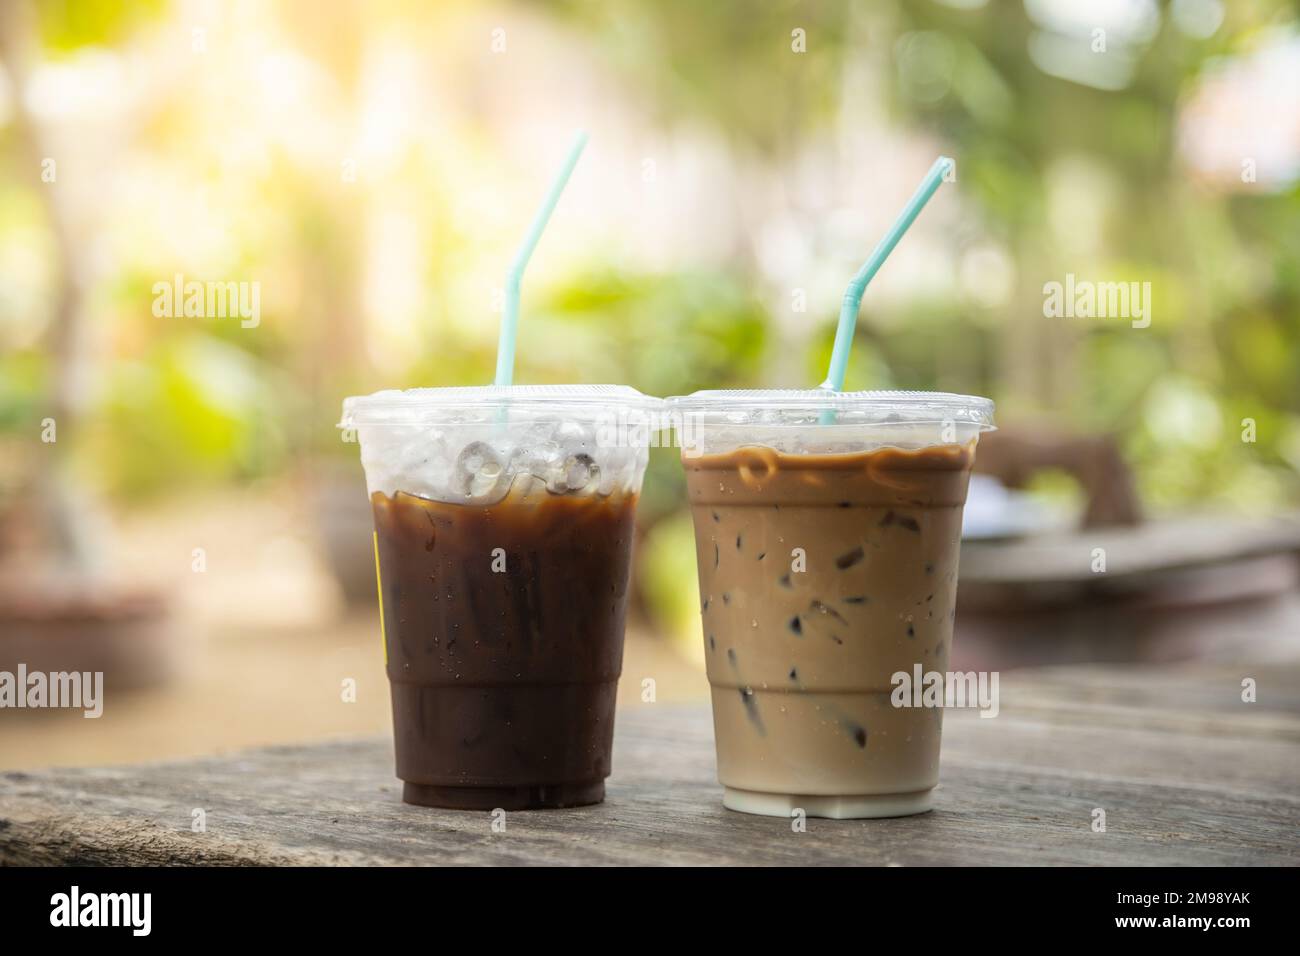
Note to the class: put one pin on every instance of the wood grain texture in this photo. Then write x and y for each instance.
(1186, 772)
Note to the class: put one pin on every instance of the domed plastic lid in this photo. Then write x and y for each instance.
(414, 405)
(797, 406)
(818, 421)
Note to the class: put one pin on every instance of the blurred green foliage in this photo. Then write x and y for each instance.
(189, 408)
(966, 75)
(202, 402)
(71, 24)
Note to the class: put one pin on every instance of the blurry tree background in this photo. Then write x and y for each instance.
(371, 166)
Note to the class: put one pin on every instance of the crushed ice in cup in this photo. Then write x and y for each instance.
(474, 456)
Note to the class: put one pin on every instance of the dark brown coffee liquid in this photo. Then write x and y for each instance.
(504, 632)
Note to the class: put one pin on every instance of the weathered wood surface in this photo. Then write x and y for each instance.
(1186, 772)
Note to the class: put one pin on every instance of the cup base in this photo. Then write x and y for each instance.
(536, 797)
(842, 807)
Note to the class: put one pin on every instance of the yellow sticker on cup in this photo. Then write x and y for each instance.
(379, 583)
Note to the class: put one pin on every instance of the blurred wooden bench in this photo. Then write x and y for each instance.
(1172, 589)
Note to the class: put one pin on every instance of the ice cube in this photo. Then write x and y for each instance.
(575, 437)
(575, 474)
(539, 459)
(480, 474)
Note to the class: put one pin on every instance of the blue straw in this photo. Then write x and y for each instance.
(514, 278)
(853, 294)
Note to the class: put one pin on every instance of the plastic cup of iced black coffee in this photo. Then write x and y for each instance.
(827, 530)
(503, 539)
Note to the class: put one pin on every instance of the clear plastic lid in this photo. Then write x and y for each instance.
(793, 406)
(397, 406)
(814, 420)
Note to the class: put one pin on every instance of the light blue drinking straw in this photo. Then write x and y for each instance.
(853, 294)
(510, 317)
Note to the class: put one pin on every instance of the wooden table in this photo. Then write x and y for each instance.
(1186, 772)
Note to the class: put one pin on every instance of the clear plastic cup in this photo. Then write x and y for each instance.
(827, 530)
(503, 538)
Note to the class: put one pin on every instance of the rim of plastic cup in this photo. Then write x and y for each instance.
(890, 406)
(396, 406)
